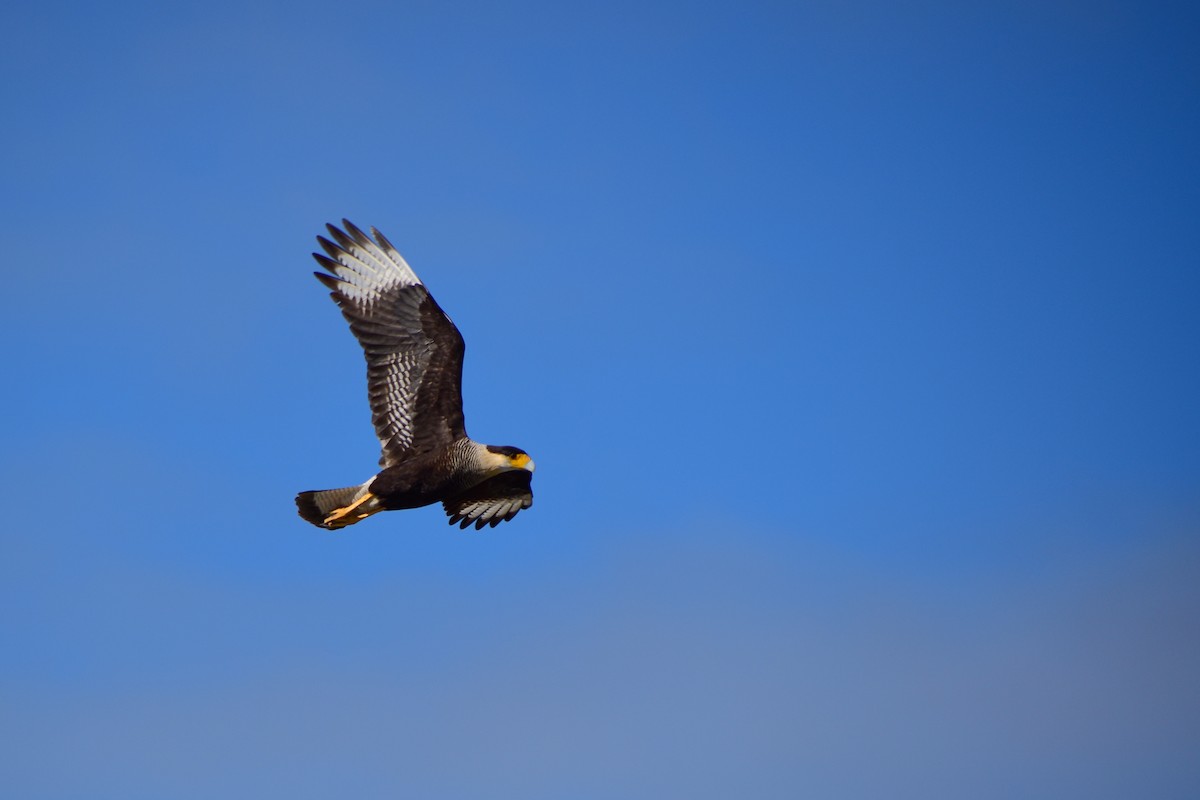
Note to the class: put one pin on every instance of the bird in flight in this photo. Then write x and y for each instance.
(414, 383)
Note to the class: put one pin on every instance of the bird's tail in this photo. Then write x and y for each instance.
(337, 508)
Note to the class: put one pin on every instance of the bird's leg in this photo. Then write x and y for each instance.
(341, 517)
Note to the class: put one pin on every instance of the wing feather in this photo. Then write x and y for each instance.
(496, 500)
(413, 350)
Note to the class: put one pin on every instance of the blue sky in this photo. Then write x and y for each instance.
(856, 344)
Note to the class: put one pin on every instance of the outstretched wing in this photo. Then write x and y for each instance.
(414, 353)
(496, 500)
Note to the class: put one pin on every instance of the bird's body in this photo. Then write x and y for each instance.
(414, 359)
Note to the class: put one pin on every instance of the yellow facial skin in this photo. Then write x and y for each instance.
(497, 462)
(521, 461)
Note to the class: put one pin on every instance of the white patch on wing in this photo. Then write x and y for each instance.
(369, 269)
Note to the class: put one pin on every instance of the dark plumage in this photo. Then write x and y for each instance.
(414, 383)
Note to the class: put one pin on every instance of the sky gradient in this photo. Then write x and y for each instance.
(856, 345)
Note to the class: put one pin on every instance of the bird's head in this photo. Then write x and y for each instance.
(503, 458)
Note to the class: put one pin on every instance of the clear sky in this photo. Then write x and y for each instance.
(856, 344)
